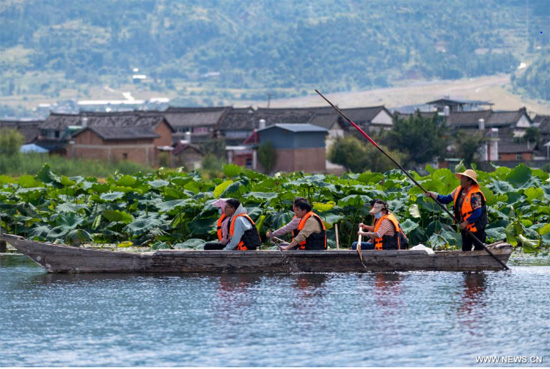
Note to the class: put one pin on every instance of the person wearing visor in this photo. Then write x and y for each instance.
(468, 207)
(222, 227)
(387, 233)
(369, 245)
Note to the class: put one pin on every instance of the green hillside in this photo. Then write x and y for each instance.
(286, 47)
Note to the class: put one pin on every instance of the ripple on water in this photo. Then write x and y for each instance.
(375, 319)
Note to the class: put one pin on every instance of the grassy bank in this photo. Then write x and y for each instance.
(21, 164)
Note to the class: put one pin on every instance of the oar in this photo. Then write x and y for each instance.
(359, 251)
(476, 240)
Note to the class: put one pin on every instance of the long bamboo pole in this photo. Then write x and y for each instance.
(476, 240)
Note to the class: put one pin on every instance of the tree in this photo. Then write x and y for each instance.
(267, 156)
(357, 156)
(468, 145)
(421, 139)
(10, 141)
(532, 135)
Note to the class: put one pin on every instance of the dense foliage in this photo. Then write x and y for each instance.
(283, 46)
(170, 209)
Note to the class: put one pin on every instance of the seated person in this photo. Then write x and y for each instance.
(368, 245)
(222, 228)
(311, 232)
(291, 226)
(243, 234)
(387, 233)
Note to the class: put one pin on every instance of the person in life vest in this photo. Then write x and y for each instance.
(243, 234)
(387, 233)
(311, 232)
(368, 245)
(222, 228)
(468, 207)
(290, 226)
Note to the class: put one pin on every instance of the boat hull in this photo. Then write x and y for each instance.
(67, 259)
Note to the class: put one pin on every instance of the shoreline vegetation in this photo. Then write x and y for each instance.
(171, 209)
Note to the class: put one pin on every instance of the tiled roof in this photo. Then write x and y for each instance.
(544, 123)
(467, 118)
(194, 117)
(182, 147)
(493, 119)
(363, 115)
(296, 127)
(121, 133)
(458, 102)
(238, 119)
(514, 148)
(29, 129)
(112, 119)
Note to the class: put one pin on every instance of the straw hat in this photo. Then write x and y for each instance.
(470, 173)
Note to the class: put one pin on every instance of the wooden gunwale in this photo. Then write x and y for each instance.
(68, 259)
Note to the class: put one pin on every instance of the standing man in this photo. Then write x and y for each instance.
(469, 208)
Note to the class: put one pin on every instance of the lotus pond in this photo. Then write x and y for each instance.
(168, 209)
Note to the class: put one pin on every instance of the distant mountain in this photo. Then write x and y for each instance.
(232, 49)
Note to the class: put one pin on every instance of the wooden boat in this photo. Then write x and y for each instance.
(68, 259)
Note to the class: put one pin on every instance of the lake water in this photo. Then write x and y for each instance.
(376, 319)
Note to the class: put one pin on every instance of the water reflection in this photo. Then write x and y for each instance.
(310, 285)
(387, 291)
(472, 299)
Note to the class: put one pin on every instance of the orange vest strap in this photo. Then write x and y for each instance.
(466, 208)
(378, 245)
(241, 245)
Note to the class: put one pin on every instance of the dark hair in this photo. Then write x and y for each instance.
(378, 201)
(303, 205)
(374, 201)
(234, 203)
(299, 199)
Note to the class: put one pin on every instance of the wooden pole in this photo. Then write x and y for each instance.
(337, 242)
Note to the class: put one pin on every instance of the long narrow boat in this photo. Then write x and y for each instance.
(68, 259)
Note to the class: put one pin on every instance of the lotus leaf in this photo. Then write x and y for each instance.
(117, 216)
(112, 196)
(221, 188)
(70, 207)
(232, 170)
(193, 244)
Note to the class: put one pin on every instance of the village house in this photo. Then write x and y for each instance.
(448, 106)
(28, 128)
(236, 125)
(187, 155)
(298, 146)
(61, 133)
(115, 144)
(198, 123)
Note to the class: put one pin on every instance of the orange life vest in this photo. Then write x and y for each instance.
(220, 221)
(241, 245)
(379, 242)
(466, 209)
(322, 236)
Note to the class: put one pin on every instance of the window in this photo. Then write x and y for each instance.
(124, 156)
(518, 156)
